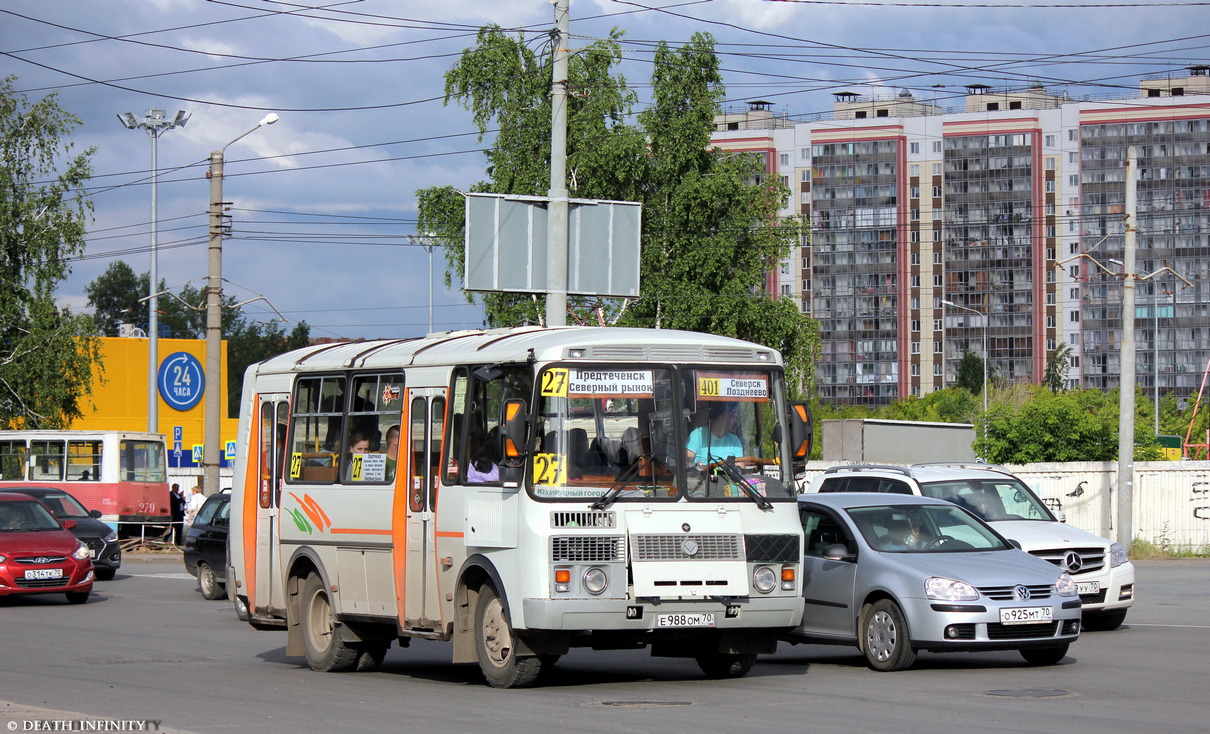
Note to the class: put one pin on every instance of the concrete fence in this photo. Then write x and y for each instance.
(1171, 498)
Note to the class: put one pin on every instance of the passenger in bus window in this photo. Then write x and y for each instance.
(392, 451)
(715, 441)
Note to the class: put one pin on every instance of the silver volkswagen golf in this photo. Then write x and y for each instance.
(896, 574)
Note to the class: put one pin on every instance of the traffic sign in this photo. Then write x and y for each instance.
(181, 380)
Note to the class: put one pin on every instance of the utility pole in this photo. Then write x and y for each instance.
(155, 123)
(556, 235)
(214, 318)
(1127, 355)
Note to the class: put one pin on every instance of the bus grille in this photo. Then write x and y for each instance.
(582, 519)
(709, 547)
(587, 548)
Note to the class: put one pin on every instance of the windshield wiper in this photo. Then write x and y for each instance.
(612, 493)
(729, 468)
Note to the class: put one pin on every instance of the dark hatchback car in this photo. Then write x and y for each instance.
(100, 538)
(206, 548)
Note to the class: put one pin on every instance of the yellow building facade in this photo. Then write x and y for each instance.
(118, 399)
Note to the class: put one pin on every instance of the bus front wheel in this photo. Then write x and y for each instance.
(495, 645)
(325, 651)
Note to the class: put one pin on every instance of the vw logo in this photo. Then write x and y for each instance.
(689, 547)
(41, 560)
(1073, 562)
(1021, 592)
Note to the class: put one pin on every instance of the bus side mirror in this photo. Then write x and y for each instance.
(800, 432)
(514, 432)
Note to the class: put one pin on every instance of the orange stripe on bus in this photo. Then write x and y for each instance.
(448, 534)
(354, 531)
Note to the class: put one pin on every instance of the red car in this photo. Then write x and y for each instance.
(38, 554)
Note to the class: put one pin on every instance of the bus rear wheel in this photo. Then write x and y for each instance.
(495, 646)
(325, 651)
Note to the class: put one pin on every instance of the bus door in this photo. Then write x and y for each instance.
(265, 590)
(426, 416)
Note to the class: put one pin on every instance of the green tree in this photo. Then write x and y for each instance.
(970, 372)
(710, 230)
(951, 405)
(48, 357)
(1032, 424)
(115, 295)
(1055, 377)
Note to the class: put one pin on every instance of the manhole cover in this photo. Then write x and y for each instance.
(1030, 693)
(639, 704)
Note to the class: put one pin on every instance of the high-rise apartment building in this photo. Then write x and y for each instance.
(995, 228)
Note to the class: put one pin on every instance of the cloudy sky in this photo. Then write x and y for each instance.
(323, 200)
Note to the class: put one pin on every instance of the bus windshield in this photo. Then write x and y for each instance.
(658, 434)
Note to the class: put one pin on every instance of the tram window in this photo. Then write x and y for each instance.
(12, 460)
(84, 461)
(48, 460)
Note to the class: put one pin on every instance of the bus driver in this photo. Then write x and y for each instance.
(716, 441)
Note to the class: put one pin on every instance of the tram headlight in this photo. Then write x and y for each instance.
(595, 580)
(764, 579)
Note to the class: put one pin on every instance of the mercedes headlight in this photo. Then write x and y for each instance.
(1117, 555)
(1066, 585)
(943, 589)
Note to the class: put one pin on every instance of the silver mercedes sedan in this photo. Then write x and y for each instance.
(896, 574)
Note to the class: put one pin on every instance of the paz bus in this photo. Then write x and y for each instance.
(519, 492)
(124, 474)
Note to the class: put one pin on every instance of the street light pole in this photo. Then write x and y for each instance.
(155, 123)
(214, 317)
(427, 243)
(985, 354)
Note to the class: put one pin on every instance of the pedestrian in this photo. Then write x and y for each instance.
(176, 506)
(195, 502)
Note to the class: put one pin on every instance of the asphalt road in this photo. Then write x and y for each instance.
(148, 648)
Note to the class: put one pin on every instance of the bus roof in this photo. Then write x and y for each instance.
(515, 345)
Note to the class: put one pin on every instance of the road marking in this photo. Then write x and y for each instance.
(1175, 626)
(162, 575)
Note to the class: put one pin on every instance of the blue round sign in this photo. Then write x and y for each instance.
(181, 380)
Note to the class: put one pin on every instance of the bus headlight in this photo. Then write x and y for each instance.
(764, 579)
(595, 580)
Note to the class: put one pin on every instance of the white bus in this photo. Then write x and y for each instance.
(124, 474)
(521, 492)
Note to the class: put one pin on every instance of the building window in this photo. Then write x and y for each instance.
(936, 192)
(937, 280)
(914, 236)
(915, 370)
(1074, 316)
(1050, 207)
(915, 169)
(1072, 180)
(783, 159)
(1050, 187)
(936, 235)
(1049, 141)
(936, 324)
(937, 346)
(1050, 344)
(936, 169)
(915, 347)
(936, 370)
(915, 324)
(913, 147)
(1050, 164)
(914, 193)
(915, 216)
(936, 146)
(804, 154)
(936, 258)
(915, 259)
(915, 281)
(1050, 322)
(915, 303)
(1050, 299)
(1050, 232)
(1071, 134)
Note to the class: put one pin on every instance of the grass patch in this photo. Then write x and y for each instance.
(1146, 550)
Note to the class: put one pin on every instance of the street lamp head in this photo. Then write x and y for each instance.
(948, 303)
(128, 120)
(181, 118)
(268, 119)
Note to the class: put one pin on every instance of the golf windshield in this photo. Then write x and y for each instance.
(923, 529)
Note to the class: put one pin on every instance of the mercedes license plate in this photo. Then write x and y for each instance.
(1090, 587)
(698, 619)
(1026, 615)
(44, 573)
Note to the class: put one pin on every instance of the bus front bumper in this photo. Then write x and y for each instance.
(676, 615)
